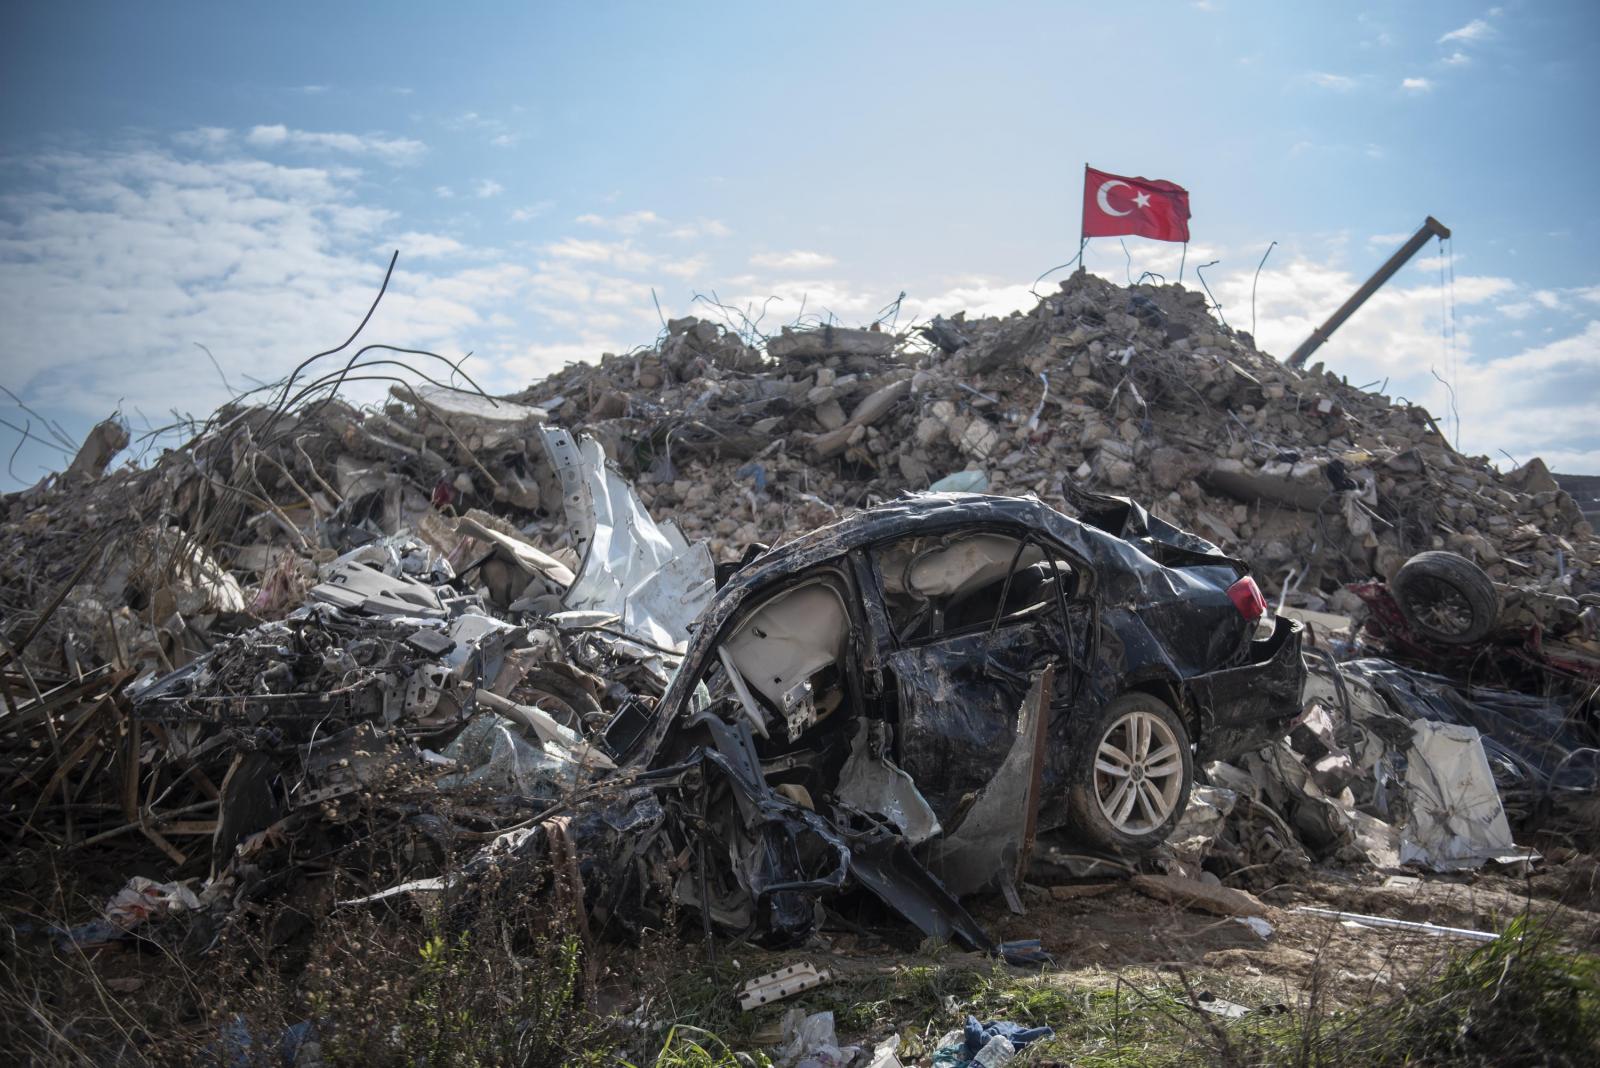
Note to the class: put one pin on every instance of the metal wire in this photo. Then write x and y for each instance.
(1253, 282)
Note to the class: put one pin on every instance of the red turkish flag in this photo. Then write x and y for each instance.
(1114, 205)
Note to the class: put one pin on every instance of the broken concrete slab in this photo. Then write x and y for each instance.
(830, 341)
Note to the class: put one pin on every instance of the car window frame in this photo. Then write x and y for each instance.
(1054, 551)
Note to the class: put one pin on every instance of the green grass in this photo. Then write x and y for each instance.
(1524, 999)
(510, 987)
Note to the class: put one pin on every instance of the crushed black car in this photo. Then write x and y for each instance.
(900, 702)
(906, 697)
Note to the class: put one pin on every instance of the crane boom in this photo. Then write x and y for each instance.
(1431, 227)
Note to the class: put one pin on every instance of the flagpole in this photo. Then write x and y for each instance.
(1181, 260)
(1083, 242)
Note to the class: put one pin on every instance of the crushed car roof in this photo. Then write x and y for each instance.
(1110, 533)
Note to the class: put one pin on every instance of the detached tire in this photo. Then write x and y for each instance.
(1446, 598)
(1130, 780)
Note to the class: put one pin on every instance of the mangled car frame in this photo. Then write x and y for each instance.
(905, 697)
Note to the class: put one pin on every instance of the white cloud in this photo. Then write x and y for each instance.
(532, 211)
(414, 245)
(484, 188)
(1416, 85)
(312, 90)
(444, 192)
(139, 254)
(685, 268)
(1337, 82)
(501, 134)
(1536, 301)
(1476, 30)
(627, 223)
(1524, 403)
(1456, 59)
(204, 137)
(796, 260)
(391, 150)
(620, 254)
(700, 228)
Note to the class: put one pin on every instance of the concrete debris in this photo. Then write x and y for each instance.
(100, 446)
(671, 624)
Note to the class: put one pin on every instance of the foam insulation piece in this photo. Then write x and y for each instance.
(789, 639)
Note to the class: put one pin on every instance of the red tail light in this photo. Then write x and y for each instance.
(1246, 597)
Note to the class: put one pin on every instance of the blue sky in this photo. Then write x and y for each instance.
(184, 174)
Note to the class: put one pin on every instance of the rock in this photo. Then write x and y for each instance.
(830, 415)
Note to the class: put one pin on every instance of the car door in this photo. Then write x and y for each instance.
(959, 683)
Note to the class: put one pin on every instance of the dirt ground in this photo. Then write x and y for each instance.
(1115, 937)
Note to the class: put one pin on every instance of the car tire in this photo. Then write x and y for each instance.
(1131, 733)
(1446, 598)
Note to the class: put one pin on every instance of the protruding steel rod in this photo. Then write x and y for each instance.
(1430, 228)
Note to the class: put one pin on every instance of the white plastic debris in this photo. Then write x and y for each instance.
(1357, 919)
(1260, 927)
(783, 983)
(145, 899)
(998, 1050)
(810, 1042)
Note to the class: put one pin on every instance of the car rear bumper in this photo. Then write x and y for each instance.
(1245, 707)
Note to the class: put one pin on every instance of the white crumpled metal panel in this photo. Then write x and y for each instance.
(643, 572)
(1457, 820)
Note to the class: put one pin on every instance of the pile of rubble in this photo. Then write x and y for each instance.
(1136, 391)
(316, 626)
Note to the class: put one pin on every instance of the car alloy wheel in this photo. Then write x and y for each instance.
(1138, 773)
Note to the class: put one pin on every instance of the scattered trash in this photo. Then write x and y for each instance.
(1258, 926)
(986, 1044)
(1456, 817)
(1208, 1002)
(144, 899)
(809, 1042)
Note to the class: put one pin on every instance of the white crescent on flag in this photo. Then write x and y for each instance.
(1105, 205)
